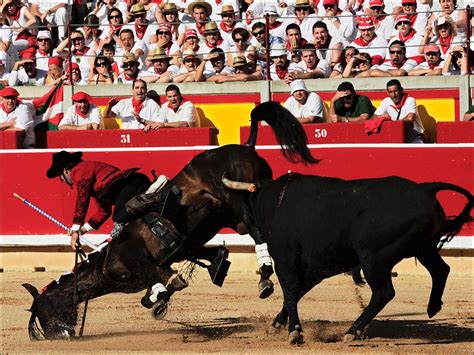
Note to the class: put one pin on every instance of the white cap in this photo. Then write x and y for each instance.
(44, 34)
(270, 9)
(277, 50)
(297, 85)
(3, 58)
(440, 21)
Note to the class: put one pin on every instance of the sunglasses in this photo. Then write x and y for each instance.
(101, 64)
(188, 60)
(42, 40)
(138, 16)
(192, 38)
(128, 65)
(215, 33)
(10, 97)
(77, 39)
(376, 8)
(163, 33)
(404, 23)
(432, 53)
(258, 33)
(302, 9)
(396, 52)
(239, 40)
(115, 16)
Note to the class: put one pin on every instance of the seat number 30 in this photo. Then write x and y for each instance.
(320, 133)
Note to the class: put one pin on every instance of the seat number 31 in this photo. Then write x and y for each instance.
(320, 133)
(125, 138)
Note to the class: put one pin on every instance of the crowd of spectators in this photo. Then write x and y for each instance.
(112, 41)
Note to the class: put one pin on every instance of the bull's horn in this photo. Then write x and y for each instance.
(33, 332)
(31, 289)
(239, 185)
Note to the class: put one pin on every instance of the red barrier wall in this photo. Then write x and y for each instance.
(24, 171)
(340, 133)
(126, 138)
(455, 132)
(10, 139)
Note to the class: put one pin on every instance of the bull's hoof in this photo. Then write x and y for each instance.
(265, 288)
(433, 310)
(159, 310)
(295, 337)
(349, 337)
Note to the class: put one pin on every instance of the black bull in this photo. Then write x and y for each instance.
(318, 227)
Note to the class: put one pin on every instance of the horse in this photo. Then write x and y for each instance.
(137, 260)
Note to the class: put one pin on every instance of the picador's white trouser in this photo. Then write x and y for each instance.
(263, 257)
(157, 185)
(156, 289)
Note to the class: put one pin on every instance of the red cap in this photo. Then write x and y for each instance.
(376, 3)
(81, 96)
(29, 53)
(408, 2)
(401, 18)
(190, 33)
(164, 27)
(330, 2)
(365, 23)
(9, 92)
(431, 48)
(56, 60)
(72, 66)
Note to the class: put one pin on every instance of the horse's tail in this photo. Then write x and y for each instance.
(454, 225)
(288, 130)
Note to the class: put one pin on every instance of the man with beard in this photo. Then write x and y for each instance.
(305, 106)
(161, 71)
(176, 112)
(16, 116)
(130, 66)
(433, 64)
(24, 71)
(83, 115)
(369, 42)
(348, 106)
(398, 65)
(399, 106)
(137, 112)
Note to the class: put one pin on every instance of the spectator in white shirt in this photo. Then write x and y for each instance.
(433, 64)
(398, 65)
(44, 41)
(161, 71)
(16, 116)
(24, 71)
(137, 112)
(177, 111)
(52, 12)
(305, 106)
(83, 115)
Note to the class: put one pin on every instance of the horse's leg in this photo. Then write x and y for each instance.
(439, 272)
(243, 210)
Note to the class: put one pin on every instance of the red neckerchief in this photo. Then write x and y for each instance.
(275, 25)
(226, 29)
(445, 43)
(79, 113)
(137, 105)
(115, 68)
(408, 36)
(320, 46)
(116, 28)
(140, 30)
(80, 51)
(130, 78)
(4, 109)
(412, 18)
(219, 42)
(183, 100)
(302, 43)
(282, 72)
(378, 19)
(401, 103)
(218, 2)
(43, 53)
(200, 28)
(16, 16)
(433, 66)
(362, 42)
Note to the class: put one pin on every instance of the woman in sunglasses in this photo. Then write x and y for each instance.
(240, 46)
(164, 39)
(102, 72)
(168, 13)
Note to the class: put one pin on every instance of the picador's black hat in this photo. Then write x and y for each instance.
(62, 160)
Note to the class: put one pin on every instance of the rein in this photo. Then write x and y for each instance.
(79, 253)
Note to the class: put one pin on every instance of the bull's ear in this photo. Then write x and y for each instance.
(31, 289)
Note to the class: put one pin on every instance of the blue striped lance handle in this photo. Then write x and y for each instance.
(54, 220)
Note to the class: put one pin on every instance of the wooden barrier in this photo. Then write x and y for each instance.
(10, 139)
(337, 133)
(126, 138)
(455, 132)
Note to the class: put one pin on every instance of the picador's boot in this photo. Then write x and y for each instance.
(142, 203)
(219, 266)
(265, 286)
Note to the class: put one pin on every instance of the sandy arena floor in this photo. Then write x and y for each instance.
(205, 318)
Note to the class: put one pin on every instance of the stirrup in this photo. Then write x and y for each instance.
(219, 267)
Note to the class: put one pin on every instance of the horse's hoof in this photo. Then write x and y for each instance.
(349, 337)
(145, 301)
(265, 288)
(159, 310)
(295, 338)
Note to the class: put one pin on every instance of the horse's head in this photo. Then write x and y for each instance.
(55, 312)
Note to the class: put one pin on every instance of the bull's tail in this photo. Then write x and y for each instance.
(288, 130)
(454, 225)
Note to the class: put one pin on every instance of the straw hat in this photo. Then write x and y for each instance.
(227, 9)
(204, 4)
(211, 27)
(301, 3)
(239, 62)
(159, 53)
(189, 53)
(129, 58)
(137, 9)
(170, 7)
